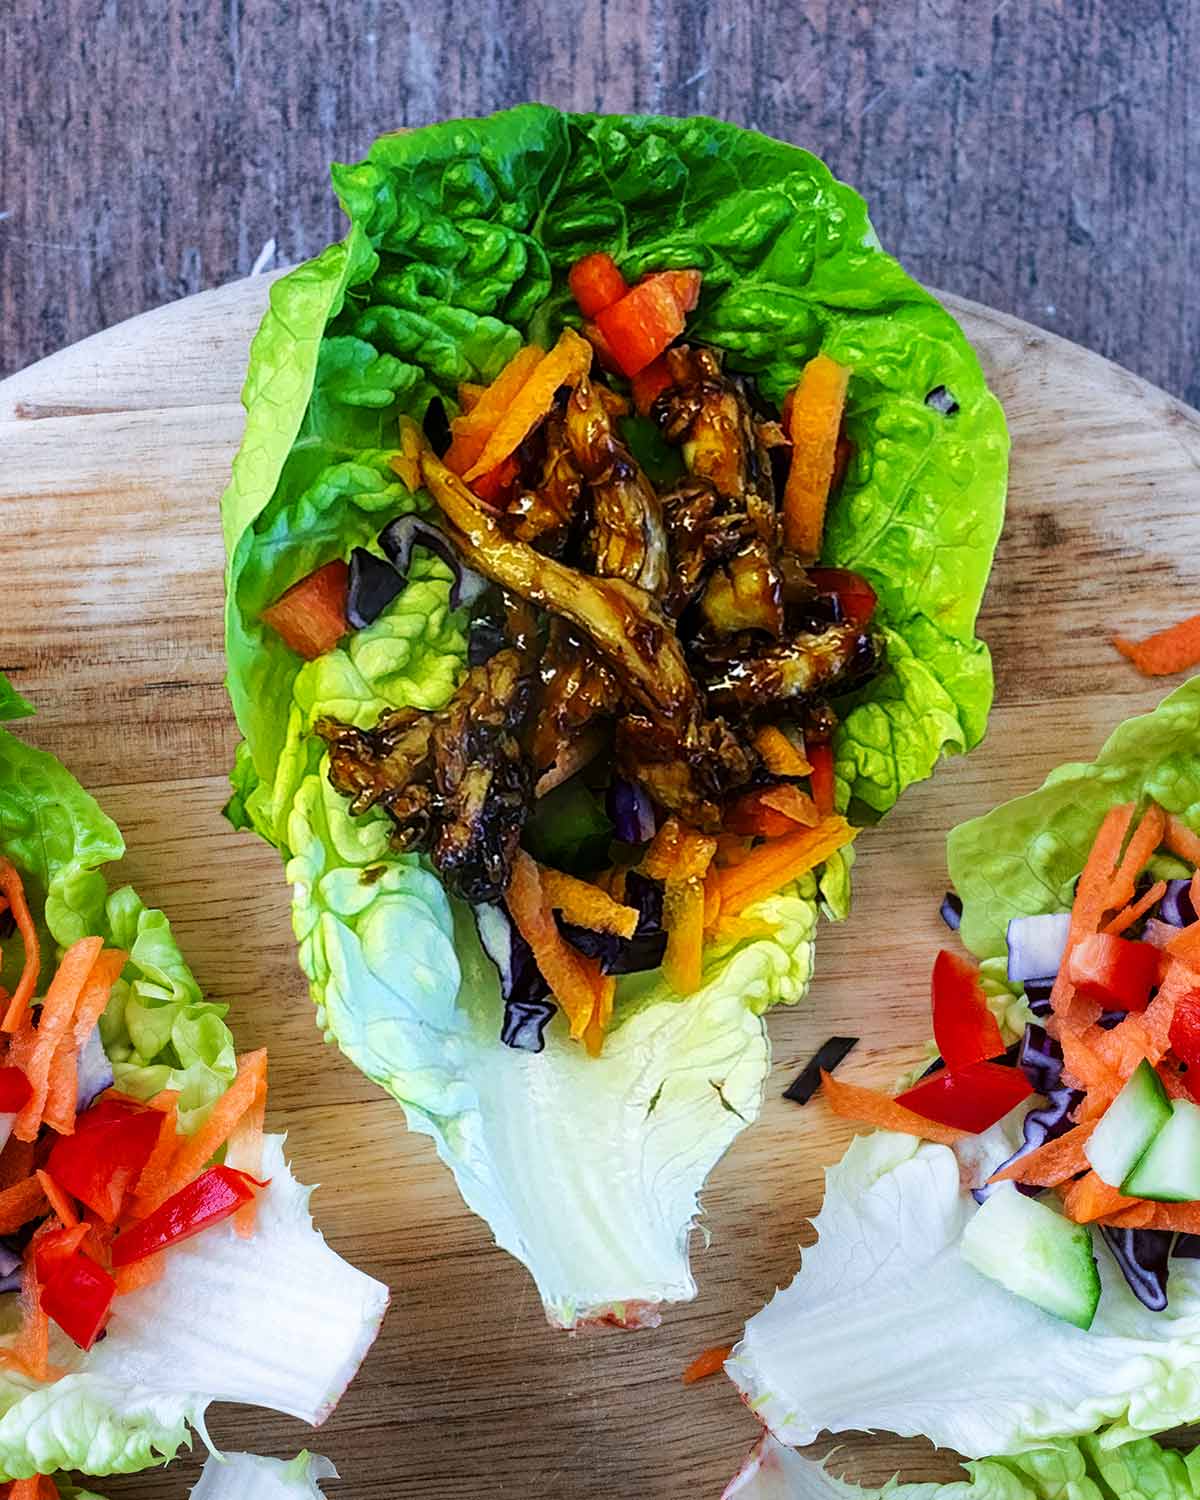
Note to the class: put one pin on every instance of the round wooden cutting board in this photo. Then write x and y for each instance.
(115, 454)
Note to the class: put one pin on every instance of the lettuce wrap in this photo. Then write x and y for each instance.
(460, 239)
(276, 1319)
(889, 1287)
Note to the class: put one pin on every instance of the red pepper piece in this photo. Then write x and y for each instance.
(964, 1029)
(215, 1195)
(970, 1099)
(650, 383)
(596, 283)
(649, 317)
(1116, 971)
(1185, 1036)
(311, 615)
(820, 758)
(104, 1158)
(852, 591)
(78, 1295)
(15, 1090)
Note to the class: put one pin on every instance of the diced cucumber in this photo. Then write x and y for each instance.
(1036, 1253)
(1128, 1126)
(1170, 1169)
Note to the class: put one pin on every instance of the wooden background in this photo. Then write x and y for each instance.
(1032, 154)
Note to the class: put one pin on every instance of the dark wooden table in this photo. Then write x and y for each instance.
(1031, 154)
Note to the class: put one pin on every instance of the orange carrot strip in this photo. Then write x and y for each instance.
(587, 905)
(407, 463)
(1181, 841)
(566, 364)
(194, 1152)
(778, 753)
(751, 816)
(678, 852)
(1092, 1198)
(245, 1152)
(156, 1172)
(1143, 841)
(54, 1021)
(1130, 914)
(712, 898)
(20, 1203)
(564, 967)
(58, 1200)
(1185, 945)
(1057, 1161)
(1138, 1215)
(32, 1345)
(139, 1273)
(1175, 649)
(1184, 1218)
(1194, 890)
(683, 918)
(813, 426)
(1082, 1068)
(62, 1081)
(708, 1363)
(869, 1107)
(1092, 899)
(773, 865)
(469, 394)
(605, 987)
(793, 803)
(1124, 1047)
(14, 893)
(470, 432)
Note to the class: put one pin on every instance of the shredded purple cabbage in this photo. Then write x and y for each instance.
(1040, 1058)
(1176, 906)
(1039, 1126)
(618, 955)
(950, 910)
(525, 1024)
(374, 583)
(1144, 1258)
(399, 537)
(629, 806)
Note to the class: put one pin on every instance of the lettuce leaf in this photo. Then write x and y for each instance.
(1083, 1470)
(1023, 856)
(234, 1476)
(461, 236)
(295, 1320)
(887, 1327)
(12, 705)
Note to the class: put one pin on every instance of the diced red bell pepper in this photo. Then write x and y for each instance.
(78, 1295)
(15, 1090)
(52, 1248)
(216, 1194)
(820, 758)
(852, 591)
(104, 1158)
(1185, 1035)
(650, 316)
(650, 383)
(1115, 971)
(311, 616)
(596, 283)
(971, 1099)
(964, 1028)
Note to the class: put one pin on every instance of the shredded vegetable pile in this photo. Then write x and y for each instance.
(640, 751)
(1115, 985)
(96, 1185)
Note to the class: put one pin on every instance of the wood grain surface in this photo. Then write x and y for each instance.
(110, 619)
(1033, 154)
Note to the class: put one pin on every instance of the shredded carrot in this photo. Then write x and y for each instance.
(407, 463)
(1194, 890)
(32, 1346)
(1185, 945)
(708, 1363)
(193, 1152)
(139, 1273)
(58, 1200)
(20, 1203)
(605, 986)
(778, 753)
(1081, 1066)
(1057, 1161)
(470, 432)
(1143, 841)
(1181, 841)
(683, 918)
(1175, 649)
(587, 905)
(37, 1048)
(1123, 1048)
(469, 394)
(712, 898)
(1126, 918)
(13, 890)
(564, 968)
(156, 1172)
(869, 1107)
(751, 816)
(1172, 1081)
(793, 803)
(1092, 1198)
(775, 864)
(245, 1152)
(1092, 899)
(1183, 1218)
(40, 1487)
(732, 849)
(814, 422)
(62, 1081)
(678, 852)
(566, 364)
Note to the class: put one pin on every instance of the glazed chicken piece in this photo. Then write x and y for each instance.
(577, 693)
(794, 671)
(454, 782)
(623, 623)
(542, 514)
(689, 776)
(626, 537)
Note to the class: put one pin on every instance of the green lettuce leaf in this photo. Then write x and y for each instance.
(461, 237)
(236, 1476)
(1083, 1470)
(1023, 856)
(12, 705)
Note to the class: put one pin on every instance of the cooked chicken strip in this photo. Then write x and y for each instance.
(805, 667)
